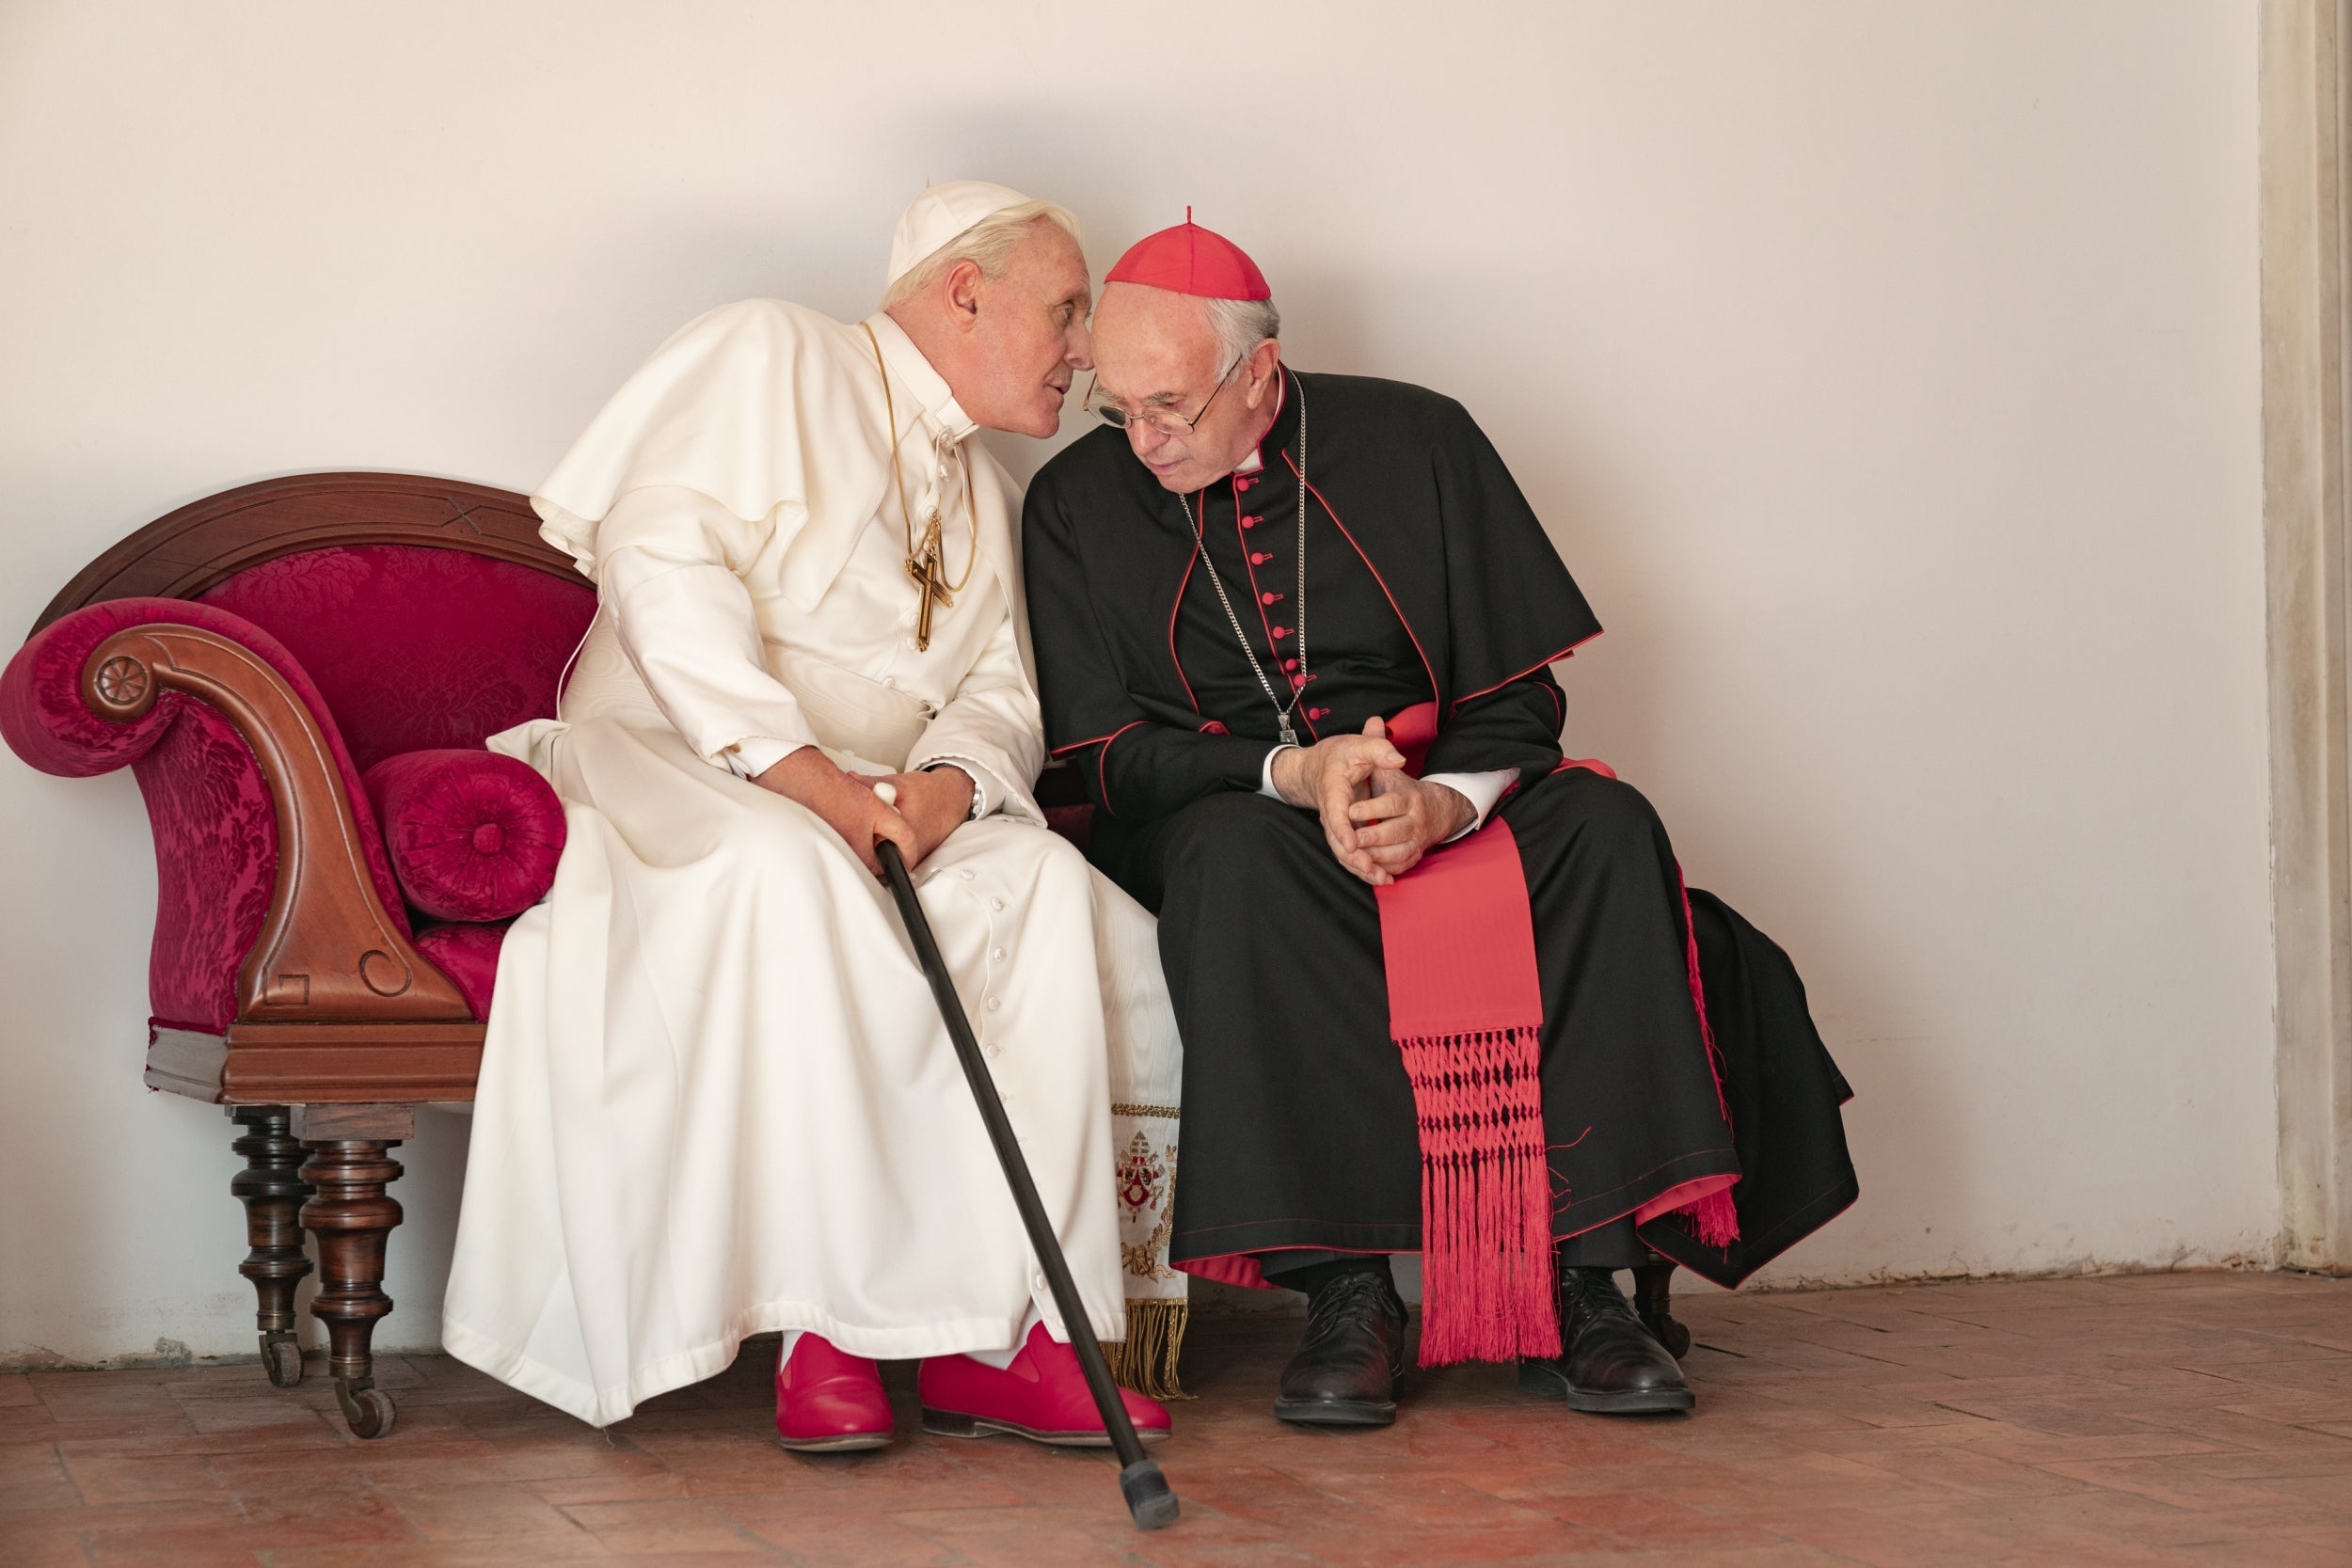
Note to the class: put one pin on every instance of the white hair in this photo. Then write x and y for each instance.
(1241, 325)
(988, 245)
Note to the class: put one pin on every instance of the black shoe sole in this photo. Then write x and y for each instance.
(1337, 1412)
(1538, 1377)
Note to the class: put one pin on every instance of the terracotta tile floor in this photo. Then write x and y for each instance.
(2196, 1417)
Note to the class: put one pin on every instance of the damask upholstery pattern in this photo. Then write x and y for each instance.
(215, 833)
(417, 648)
(204, 788)
(473, 836)
(468, 954)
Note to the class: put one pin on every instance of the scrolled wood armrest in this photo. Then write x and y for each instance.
(328, 951)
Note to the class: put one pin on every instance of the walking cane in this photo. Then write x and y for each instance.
(1149, 1500)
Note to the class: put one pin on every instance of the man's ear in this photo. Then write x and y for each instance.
(1265, 363)
(964, 282)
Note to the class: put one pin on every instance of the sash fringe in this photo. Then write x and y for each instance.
(1488, 1286)
(1146, 1360)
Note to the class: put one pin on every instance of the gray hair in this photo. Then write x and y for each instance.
(988, 245)
(1241, 325)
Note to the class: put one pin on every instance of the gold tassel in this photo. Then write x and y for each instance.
(1146, 1360)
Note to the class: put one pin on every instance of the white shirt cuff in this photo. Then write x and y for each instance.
(1482, 790)
(1266, 774)
(752, 755)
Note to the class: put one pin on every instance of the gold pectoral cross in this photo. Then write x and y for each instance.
(930, 584)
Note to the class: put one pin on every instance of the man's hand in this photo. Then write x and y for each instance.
(848, 807)
(1403, 819)
(1332, 775)
(935, 802)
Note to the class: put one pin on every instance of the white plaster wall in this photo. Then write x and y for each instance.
(1886, 374)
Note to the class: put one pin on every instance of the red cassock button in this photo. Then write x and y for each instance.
(1290, 664)
(1260, 558)
(1281, 631)
(1268, 598)
(1250, 522)
(1317, 712)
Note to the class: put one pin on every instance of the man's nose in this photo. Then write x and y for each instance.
(1143, 439)
(1079, 349)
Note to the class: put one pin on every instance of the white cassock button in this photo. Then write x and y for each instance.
(969, 875)
(890, 682)
(1037, 1280)
(996, 903)
(911, 647)
(993, 1051)
(994, 1004)
(998, 955)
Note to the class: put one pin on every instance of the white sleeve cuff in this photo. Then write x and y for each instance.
(752, 755)
(1482, 790)
(1266, 774)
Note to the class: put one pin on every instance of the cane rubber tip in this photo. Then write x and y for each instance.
(887, 793)
(1149, 1502)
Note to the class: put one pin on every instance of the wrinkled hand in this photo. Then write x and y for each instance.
(935, 803)
(1403, 819)
(1332, 775)
(848, 807)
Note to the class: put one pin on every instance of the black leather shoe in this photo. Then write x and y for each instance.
(1612, 1367)
(1345, 1372)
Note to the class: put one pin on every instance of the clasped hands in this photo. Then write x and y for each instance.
(931, 804)
(1378, 819)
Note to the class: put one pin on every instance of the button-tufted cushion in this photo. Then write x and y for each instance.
(473, 836)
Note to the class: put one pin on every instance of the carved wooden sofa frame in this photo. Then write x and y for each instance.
(342, 1027)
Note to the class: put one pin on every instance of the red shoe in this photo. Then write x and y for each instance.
(828, 1402)
(1042, 1396)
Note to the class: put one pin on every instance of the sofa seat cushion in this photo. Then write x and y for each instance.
(468, 954)
(473, 836)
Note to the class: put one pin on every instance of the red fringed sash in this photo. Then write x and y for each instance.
(1466, 1008)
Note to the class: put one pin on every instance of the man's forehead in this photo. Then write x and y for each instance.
(1150, 349)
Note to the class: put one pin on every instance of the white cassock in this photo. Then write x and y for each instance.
(717, 1097)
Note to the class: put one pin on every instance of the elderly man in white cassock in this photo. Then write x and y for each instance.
(716, 1096)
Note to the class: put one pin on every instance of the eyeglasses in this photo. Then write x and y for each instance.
(1167, 423)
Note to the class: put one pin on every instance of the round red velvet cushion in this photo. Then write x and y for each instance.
(473, 836)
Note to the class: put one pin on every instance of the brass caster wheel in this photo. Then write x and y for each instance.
(367, 1409)
(282, 1358)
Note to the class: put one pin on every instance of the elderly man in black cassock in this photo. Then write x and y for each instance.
(1441, 989)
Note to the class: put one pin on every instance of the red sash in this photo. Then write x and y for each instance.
(1466, 1010)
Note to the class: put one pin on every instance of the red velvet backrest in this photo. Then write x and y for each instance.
(417, 647)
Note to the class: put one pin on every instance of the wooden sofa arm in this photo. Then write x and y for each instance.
(328, 951)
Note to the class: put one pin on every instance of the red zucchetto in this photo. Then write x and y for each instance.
(1190, 260)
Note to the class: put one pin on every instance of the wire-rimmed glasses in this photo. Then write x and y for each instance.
(1165, 421)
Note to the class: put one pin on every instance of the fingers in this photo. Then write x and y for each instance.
(1389, 835)
(1375, 808)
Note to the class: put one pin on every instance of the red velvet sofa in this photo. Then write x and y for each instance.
(275, 664)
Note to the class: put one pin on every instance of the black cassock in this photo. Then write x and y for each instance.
(1427, 578)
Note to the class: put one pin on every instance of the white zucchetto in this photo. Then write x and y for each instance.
(941, 213)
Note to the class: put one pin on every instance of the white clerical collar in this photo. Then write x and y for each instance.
(1256, 459)
(917, 379)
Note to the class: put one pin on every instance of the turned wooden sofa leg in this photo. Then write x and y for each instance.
(353, 1217)
(1653, 1290)
(272, 1193)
